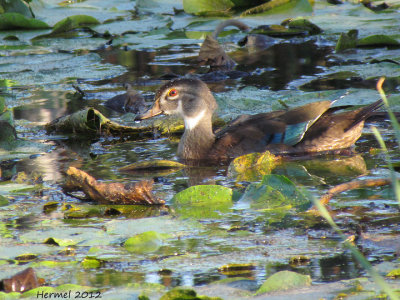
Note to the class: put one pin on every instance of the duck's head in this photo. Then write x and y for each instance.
(189, 98)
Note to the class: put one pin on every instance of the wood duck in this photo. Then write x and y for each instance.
(314, 127)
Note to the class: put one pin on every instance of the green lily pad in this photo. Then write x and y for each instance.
(91, 263)
(251, 166)
(394, 273)
(146, 242)
(304, 24)
(278, 31)
(91, 121)
(236, 269)
(280, 6)
(284, 280)
(205, 6)
(8, 187)
(185, 294)
(347, 40)
(73, 22)
(203, 201)
(53, 264)
(3, 201)
(16, 6)
(10, 296)
(275, 191)
(11, 20)
(378, 40)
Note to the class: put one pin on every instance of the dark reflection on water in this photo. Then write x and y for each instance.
(338, 267)
(280, 64)
(271, 68)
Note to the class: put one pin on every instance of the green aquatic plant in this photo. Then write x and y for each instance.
(326, 215)
(396, 127)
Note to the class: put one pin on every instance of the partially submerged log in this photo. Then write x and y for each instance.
(111, 193)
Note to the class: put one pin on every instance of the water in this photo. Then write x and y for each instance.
(289, 71)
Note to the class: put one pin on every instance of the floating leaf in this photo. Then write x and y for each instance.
(236, 269)
(275, 191)
(394, 273)
(153, 165)
(280, 6)
(251, 166)
(53, 264)
(73, 22)
(79, 211)
(347, 40)
(304, 24)
(91, 263)
(16, 6)
(278, 31)
(50, 207)
(60, 241)
(91, 121)
(179, 293)
(86, 121)
(146, 242)
(264, 7)
(378, 40)
(8, 135)
(3, 201)
(284, 280)
(203, 201)
(206, 6)
(9, 21)
(299, 260)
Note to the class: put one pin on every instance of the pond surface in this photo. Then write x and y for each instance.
(195, 243)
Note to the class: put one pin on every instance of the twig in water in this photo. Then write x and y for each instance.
(352, 185)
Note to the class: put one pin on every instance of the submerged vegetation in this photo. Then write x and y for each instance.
(72, 157)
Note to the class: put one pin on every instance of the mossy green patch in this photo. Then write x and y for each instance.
(146, 242)
(275, 191)
(378, 40)
(73, 22)
(203, 201)
(185, 294)
(347, 40)
(206, 6)
(252, 166)
(12, 20)
(284, 280)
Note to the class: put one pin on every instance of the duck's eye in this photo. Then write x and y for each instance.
(172, 93)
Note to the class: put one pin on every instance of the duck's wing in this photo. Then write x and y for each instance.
(336, 130)
(255, 133)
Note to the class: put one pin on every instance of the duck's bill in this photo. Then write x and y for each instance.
(152, 112)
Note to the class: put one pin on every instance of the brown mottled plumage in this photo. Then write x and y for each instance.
(313, 127)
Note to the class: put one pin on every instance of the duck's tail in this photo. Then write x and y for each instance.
(365, 112)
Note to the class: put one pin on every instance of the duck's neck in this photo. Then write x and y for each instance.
(198, 137)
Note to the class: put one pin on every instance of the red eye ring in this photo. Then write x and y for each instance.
(172, 93)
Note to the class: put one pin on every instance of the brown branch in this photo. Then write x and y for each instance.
(111, 193)
(351, 186)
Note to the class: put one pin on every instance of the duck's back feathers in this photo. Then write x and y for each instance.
(254, 133)
(313, 127)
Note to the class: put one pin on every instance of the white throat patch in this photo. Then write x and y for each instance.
(192, 122)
